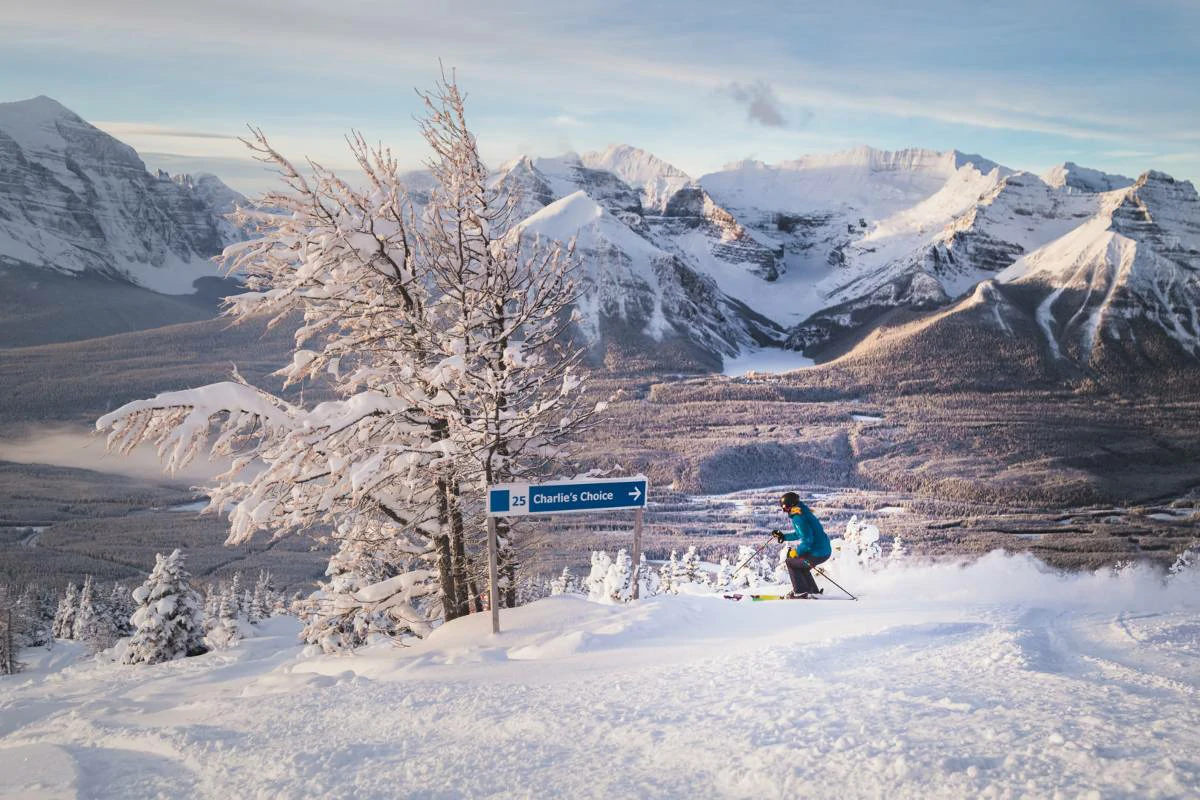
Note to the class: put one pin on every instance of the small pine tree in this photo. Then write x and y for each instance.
(649, 584)
(725, 574)
(223, 632)
(618, 587)
(668, 575)
(264, 595)
(235, 590)
(899, 551)
(86, 617)
(168, 622)
(91, 620)
(691, 566)
(119, 609)
(564, 583)
(64, 617)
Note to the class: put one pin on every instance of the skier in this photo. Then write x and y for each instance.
(810, 546)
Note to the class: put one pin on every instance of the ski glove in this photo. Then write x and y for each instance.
(778, 536)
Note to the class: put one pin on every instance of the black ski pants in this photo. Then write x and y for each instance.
(800, 569)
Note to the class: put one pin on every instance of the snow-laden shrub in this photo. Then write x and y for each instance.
(899, 551)
(750, 569)
(168, 623)
(372, 591)
(1186, 562)
(860, 543)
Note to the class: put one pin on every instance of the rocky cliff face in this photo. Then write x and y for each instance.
(1131, 271)
(74, 199)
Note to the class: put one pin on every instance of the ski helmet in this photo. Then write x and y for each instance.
(789, 501)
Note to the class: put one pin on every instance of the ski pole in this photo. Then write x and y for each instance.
(823, 574)
(752, 557)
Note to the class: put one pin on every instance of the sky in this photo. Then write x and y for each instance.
(1111, 85)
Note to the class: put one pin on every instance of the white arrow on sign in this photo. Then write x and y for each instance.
(636, 493)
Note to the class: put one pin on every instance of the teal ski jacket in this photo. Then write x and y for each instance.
(809, 537)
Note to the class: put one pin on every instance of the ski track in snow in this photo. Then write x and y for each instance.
(1039, 685)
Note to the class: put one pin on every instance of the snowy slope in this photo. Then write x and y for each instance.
(998, 679)
(74, 199)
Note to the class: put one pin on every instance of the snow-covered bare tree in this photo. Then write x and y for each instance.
(502, 313)
(168, 623)
(442, 340)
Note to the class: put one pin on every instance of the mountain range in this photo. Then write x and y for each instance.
(826, 254)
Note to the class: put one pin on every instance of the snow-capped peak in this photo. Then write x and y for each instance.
(1071, 176)
(657, 180)
(578, 215)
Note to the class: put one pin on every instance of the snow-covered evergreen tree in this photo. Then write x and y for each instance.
(618, 584)
(223, 632)
(64, 617)
(564, 583)
(899, 551)
(263, 601)
(92, 625)
(439, 337)
(649, 582)
(369, 592)
(237, 594)
(669, 575)
(690, 565)
(119, 609)
(248, 608)
(860, 542)
(87, 618)
(725, 574)
(597, 578)
(168, 622)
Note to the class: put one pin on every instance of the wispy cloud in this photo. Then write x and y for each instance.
(120, 129)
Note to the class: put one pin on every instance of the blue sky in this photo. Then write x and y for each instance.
(1030, 84)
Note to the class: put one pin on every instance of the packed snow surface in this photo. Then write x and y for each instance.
(998, 679)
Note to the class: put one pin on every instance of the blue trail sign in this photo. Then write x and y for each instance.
(566, 497)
